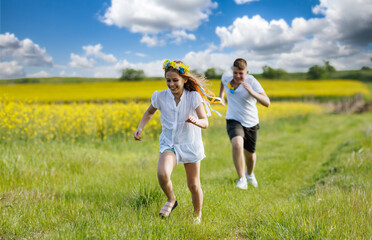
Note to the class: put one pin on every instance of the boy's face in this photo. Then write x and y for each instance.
(239, 75)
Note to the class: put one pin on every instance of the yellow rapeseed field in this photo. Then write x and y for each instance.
(320, 88)
(143, 90)
(25, 120)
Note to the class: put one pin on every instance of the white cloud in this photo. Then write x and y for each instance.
(80, 62)
(208, 59)
(180, 35)
(9, 41)
(154, 68)
(141, 55)
(348, 20)
(177, 37)
(257, 34)
(344, 20)
(40, 74)
(212, 58)
(158, 16)
(152, 41)
(26, 51)
(112, 70)
(145, 16)
(314, 51)
(339, 36)
(96, 51)
(11, 70)
(294, 46)
(302, 56)
(92, 51)
(305, 28)
(151, 68)
(62, 73)
(244, 1)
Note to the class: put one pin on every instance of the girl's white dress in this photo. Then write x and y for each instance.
(185, 138)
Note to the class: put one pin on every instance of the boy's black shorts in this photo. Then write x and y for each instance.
(234, 128)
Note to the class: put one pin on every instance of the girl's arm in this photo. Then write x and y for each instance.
(145, 118)
(202, 120)
(261, 97)
(222, 94)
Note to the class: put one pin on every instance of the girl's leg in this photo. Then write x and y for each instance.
(166, 164)
(193, 182)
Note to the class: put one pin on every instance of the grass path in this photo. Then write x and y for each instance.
(313, 173)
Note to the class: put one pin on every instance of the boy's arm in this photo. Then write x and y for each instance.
(222, 94)
(202, 120)
(145, 118)
(261, 97)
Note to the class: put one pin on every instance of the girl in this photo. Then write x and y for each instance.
(182, 117)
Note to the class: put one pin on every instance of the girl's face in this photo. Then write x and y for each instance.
(239, 75)
(175, 82)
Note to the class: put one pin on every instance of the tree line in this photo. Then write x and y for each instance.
(314, 72)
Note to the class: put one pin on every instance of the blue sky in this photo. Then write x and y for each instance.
(97, 38)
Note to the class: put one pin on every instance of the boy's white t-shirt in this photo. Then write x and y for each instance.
(241, 106)
(185, 138)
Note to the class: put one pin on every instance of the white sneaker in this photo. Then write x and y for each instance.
(197, 220)
(251, 179)
(242, 183)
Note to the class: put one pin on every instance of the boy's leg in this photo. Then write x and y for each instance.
(166, 164)
(250, 152)
(250, 160)
(238, 156)
(193, 182)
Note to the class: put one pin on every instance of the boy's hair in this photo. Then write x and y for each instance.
(240, 63)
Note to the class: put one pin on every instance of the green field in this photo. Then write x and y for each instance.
(314, 176)
(313, 173)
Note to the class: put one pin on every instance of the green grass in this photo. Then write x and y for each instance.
(313, 173)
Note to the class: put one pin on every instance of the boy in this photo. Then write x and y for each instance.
(242, 123)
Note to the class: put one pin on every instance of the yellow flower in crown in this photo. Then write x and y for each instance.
(166, 64)
(174, 65)
(180, 66)
(183, 68)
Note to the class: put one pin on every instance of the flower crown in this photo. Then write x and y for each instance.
(180, 66)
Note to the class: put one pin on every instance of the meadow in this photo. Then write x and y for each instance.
(313, 173)
(73, 171)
